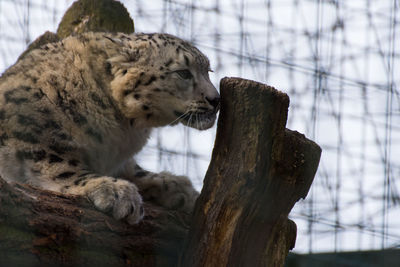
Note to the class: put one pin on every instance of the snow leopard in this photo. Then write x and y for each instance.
(74, 113)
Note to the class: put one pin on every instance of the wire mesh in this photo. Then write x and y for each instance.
(339, 61)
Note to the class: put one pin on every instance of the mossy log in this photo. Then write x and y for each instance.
(88, 16)
(95, 16)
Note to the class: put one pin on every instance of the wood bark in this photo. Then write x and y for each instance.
(258, 171)
(39, 227)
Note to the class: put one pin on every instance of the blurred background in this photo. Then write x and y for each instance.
(339, 61)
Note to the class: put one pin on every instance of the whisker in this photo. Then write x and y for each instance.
(197, 121)
(190, 119)
(180, 117)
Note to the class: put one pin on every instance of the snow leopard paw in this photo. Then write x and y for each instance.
(118, 197)
(170, 191)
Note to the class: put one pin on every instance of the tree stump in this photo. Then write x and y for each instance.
(258, 171)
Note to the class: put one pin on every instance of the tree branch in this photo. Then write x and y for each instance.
(42, 227)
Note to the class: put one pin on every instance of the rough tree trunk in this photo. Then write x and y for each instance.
(258, 171)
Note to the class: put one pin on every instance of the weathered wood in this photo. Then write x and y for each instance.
(258, 171)
(39, 227)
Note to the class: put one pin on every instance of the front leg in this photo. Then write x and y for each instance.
(165, 189)
(116, 196)
(66, 174)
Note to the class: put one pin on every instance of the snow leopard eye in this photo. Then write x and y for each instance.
(185, 74)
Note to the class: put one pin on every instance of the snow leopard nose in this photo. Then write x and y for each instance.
(213, 101)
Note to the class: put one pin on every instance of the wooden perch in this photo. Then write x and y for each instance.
(258, 171)
(39, 227)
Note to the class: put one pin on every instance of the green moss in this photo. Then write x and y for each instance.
(14, 235)
(95, 15)
(19, 259)
(98, 258)
(13, 243)
(78, 255)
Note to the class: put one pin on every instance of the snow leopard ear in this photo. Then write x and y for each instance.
(125, 59)
(128, 54)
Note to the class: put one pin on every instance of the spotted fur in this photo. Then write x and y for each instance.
(74, 113)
